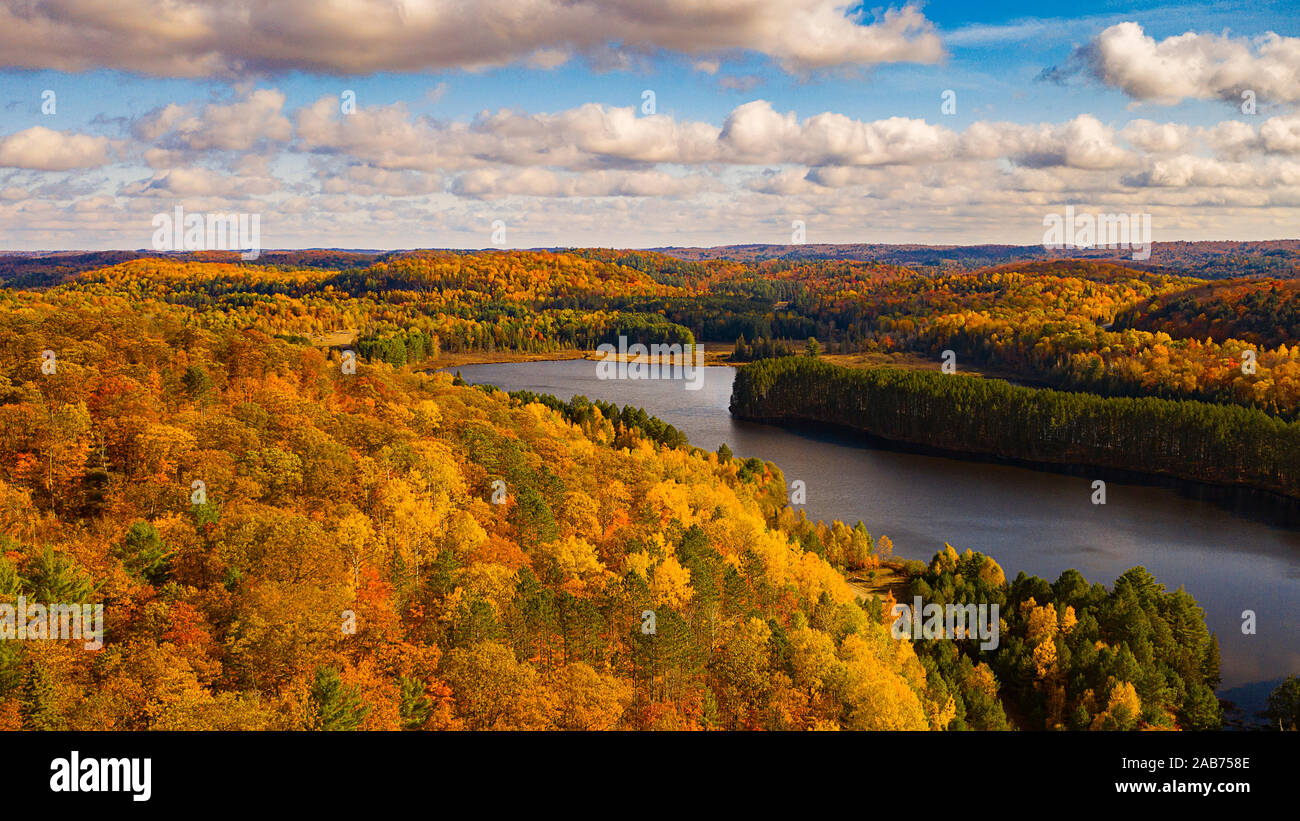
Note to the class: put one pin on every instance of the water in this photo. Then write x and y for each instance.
(1039, 522)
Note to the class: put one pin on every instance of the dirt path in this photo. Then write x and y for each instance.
(889, 579)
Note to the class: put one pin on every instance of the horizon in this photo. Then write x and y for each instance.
(563, 248)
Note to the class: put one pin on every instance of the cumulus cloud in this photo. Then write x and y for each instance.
(43, 149)
(756, 133)
(1194, 66)
(204, 38)
(1198, 172)
(609, 175)
(1084, 142)
(1156, 138)
(540, 182)
(1231, 138)
(1234, 139)
(594, 137)
(590, 135)
(366, 181)
(1280, 135)
(239, 126)
(1191, 170)
(202, 182)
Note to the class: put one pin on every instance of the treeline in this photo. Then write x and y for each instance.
(1221, 444)
(399, 348)
(760, 349)
(586, 413)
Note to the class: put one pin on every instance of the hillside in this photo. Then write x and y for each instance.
(1207, 259)
(282, 539)
(501, 561)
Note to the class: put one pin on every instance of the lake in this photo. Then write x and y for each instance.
(1037, 521)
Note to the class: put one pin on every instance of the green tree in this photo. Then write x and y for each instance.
(143, 554)
(38, 704)
(1201, 710)
(1284, 704)
(415, 706)
(55, 577)
(196, 382)
(335, 705)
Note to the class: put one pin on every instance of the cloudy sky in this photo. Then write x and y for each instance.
(420, 123)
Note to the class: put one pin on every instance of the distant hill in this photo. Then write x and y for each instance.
(1208, 259)
(40, 270)
(43, 269)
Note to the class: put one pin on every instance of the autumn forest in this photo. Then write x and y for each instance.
(297, 516)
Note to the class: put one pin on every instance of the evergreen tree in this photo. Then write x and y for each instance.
(143, 554)
(38, 705)
(1284, 704)
(335, 705)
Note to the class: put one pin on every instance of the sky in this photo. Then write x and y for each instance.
(536, 123)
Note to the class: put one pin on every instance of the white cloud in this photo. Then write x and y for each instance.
(387, 137)
(366, 181)
(1195, 66)
(596, 174)
(42, 149)
(204, 38)
(1084, 142)
(1231, 138)
(1187, 170)
(1280, 135)
(756, 133)
(238, 126)
(1156, 138)
(539, 182)
(202, 182)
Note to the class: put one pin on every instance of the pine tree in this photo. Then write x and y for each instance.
(335, 706)
(1284, 704)
(415, 707)
(143, 553)
(38, 704)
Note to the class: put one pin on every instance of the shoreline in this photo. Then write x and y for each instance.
(1277, 508)
(715, 355)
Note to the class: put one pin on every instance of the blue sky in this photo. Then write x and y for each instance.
(87, 174)
(997, 52)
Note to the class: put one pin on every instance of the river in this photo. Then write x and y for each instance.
(1040, 522)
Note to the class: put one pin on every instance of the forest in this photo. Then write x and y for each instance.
(281, 541)
(351, 564)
